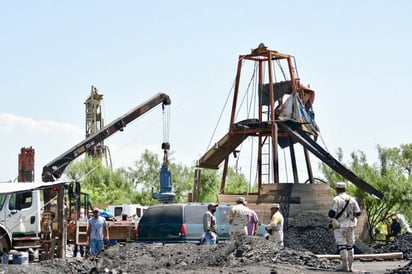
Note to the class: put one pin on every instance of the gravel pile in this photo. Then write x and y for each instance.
(407, 269)
(311, 232)
(402, 244)
(256, 250)
(181, 258)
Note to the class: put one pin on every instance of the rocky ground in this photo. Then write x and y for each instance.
(305, 237)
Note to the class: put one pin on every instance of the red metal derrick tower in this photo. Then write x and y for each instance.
(279, 115)
(273, 82)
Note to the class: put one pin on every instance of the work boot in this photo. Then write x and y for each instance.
(344, 257)
(342, 268)
(350, 261)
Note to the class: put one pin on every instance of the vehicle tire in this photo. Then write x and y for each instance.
(4, 243)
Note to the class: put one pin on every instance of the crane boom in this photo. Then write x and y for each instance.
(55, 168)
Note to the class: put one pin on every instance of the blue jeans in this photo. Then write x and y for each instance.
(5, 258)
(95, 246)
(210, 237)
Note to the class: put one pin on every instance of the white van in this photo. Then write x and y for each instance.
(135, 211)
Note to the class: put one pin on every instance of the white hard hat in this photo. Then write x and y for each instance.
(341, 185)
(275, 206)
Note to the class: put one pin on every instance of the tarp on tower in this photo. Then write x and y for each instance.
(294, 110)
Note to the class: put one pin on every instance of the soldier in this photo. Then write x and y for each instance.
(344, 210)
(239, 219)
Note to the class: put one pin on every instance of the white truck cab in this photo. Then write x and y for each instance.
(20, 218)
(24, 226)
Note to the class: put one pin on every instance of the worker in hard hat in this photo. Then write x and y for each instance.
(275, 227)
(344, 212)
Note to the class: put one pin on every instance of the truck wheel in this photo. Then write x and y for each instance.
(4, 243)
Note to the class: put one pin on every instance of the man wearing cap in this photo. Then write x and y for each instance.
(239, 219)
(345, 209)
(275, 228)
(209, 224)
(95, 233)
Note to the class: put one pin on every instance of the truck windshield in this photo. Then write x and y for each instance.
(2, 199)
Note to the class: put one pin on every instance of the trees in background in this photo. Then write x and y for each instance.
(136, 184)
(103, 185)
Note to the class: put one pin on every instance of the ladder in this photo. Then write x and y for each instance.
(81, 232)
(265, 153)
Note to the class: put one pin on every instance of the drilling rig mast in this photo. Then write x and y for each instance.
(94, 123)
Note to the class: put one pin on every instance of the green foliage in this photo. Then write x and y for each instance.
(103, 185)
(133, 185)
(145, 174)
(391, 176)
(210, 184)
(182, 181)
(236, 182)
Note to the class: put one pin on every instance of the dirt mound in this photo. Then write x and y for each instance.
(311, 232)
(402, 270)
(402, 244)
(181, 258)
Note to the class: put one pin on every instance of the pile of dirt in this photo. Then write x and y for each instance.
(407, 269)
(310, 231)
(246, 254)
(402, 244)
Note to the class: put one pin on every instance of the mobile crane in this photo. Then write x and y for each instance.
(119, 230)
(21, 225)
(54, 169)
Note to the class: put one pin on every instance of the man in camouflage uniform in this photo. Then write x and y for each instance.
(345, 232)
(239, 219)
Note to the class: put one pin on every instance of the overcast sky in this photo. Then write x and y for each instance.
(355, 54)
